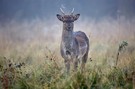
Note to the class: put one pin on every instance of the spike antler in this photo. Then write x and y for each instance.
(62, 11)
(72, 11)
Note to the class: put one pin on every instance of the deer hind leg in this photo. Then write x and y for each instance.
(75, 64)
(67, 65)
(84, 60)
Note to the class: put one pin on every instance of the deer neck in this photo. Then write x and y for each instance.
(67, 37)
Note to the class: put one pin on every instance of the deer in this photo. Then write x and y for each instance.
(74, 47)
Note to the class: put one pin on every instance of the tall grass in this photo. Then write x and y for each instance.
(30, 56)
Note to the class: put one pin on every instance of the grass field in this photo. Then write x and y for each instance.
(30, 55)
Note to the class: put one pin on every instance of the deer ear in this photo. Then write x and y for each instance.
(76, 16)
(59, 17)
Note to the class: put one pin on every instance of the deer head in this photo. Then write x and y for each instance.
(68, 19)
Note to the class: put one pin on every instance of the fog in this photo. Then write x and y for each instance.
(44, 9)
(25, 23)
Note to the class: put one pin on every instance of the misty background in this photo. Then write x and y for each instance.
(31, 24)
(43, 9)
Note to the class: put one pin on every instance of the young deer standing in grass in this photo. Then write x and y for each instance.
(74, 45)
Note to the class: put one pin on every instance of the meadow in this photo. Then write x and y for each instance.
(30, 55)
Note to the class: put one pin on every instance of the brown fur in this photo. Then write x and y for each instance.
(74, 45)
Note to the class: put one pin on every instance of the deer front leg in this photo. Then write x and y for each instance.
(67, 65)
(75, 64)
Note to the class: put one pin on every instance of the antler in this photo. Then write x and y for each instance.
(62, 11)
(72, 11)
